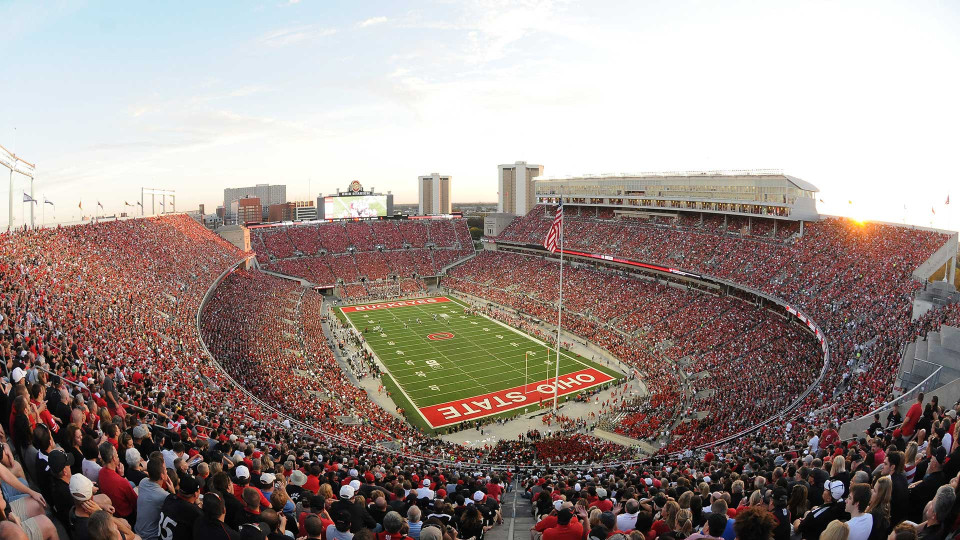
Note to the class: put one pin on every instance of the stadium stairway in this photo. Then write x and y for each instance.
(517, 518)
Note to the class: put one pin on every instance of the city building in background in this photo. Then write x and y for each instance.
(268, 194)
(247, 210)
(305, 211)
(515, 187)
(434, 194)
(281, 212)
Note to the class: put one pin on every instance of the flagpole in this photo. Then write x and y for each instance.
(556, 379)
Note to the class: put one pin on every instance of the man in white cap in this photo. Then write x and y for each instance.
(359, 517)
(243, 481)
(815, 521)
(86, 503)
(425, 492)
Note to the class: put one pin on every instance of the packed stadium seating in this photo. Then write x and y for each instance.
(336, 253)
(722, 336)
(102, 346)
(852, 278)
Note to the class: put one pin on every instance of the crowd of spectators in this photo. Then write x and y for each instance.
(119, 420)
(333, 253)
(718, 340)
(854, 279)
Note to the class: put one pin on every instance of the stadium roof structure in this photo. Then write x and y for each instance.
(767, 193)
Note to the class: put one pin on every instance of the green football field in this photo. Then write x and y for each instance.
(451, 367)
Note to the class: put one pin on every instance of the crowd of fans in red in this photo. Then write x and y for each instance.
(852, 278)
(347, 253)
(719, 339)
(99, 332)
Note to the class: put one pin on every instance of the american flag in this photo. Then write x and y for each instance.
(553, 235)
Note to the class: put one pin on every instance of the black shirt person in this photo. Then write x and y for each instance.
(180, 511)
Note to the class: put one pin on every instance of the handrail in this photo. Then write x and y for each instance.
(920, 387)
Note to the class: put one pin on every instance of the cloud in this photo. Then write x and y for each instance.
(372, 21)
(294, 34)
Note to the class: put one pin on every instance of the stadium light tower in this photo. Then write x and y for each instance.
(17, 165)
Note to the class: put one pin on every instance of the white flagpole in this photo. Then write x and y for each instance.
(556, 379)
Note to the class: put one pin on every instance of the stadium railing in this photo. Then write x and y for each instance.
(948, 393)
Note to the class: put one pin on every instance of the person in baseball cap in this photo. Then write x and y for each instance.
(816, 520)
(81, 488)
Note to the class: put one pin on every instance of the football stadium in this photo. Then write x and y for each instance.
(531, 354)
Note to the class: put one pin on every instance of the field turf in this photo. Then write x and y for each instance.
(451, 367)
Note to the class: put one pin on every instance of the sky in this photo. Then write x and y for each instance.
(858, 98)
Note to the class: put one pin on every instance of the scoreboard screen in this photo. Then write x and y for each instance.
(355, 206)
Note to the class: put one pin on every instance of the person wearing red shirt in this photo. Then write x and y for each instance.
(550, 520)
(828, 437)
(316, 509)
(493, 488)
(566, 528)
(913, 416)
(313, 479)
(114, 485)
(602, 502)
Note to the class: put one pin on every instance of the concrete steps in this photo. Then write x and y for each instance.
(517, 518)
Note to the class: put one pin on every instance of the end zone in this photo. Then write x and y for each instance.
(474, 408)
(397, 304)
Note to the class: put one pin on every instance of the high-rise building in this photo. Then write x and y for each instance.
(434, 194)
(269, 195)
(515, 187)
(247, 210)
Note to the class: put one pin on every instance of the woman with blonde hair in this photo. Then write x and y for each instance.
(325, 491)
(838, 471)
(836, 530)
(879, 506)
(910, 458)
(684, 500)
(668, 518)
(684, 522)
(736, 493)
(756, 498)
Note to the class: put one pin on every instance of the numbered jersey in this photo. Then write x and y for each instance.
(176, 518)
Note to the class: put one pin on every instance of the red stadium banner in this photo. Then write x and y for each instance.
(473, 408)
(403, 303)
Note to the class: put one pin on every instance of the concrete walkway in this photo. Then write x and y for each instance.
(517, 518)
